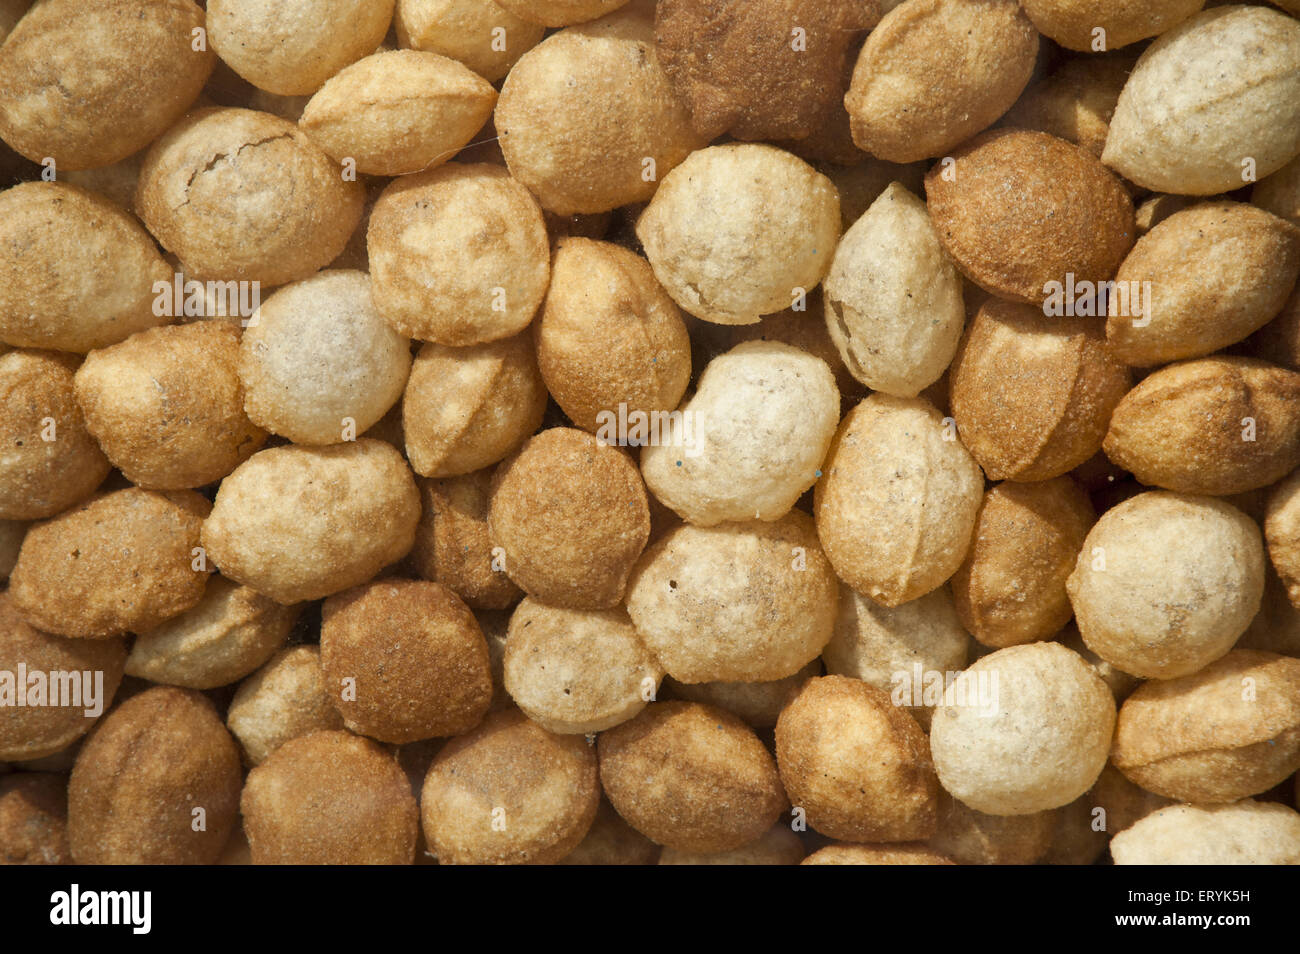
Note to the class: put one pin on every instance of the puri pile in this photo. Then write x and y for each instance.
(608, 432)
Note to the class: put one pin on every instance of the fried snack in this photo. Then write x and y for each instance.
(758, 704)
(1227, 731)
(740, 231)
(76, 271)
(231, 632)
(969, 837)
(587, 118)
(291, 49)
(558, 13)
(904, 854)
(1246, 833)
(857, 765)
(1023, 730)
(53, 713)
(691, 777)
(1215, 272)
(458, 255)
(509, 792)
(318, 364)
(398, 112)
(1165, 583)
(769, 69)
(612, 841)
(549, 673)
(1279, 193)
(1076, 24)
(933, 73)
(88, 82)
(300, 523)
(51, 459)
(404, 660)
(122, 562)
(1218, 425)
(329, 798)
(608, 336)
(1011, 589)
(167, 405)
(893, 297)
(897, 503)
(1023, 213)
(777, 846)
(751, 440)
(34, 819)
(465, 30)
(1209, 94)
(1076, 101)
(467, 408)
(284, 699)
(883, 645)
(156, 783)
(739, 602)
(239, 195)
(540, 514)
(1033, 395)
(452, 545)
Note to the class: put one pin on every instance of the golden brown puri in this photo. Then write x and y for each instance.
(156, 783)
(34, 819)
(330, 797)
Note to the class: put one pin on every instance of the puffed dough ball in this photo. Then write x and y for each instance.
(416, 658)
(857, 764)
(542, 786)
(1280, 193)
(88, 82)
(1282, 531)
(1165, 583)
(758, 704)
(1246, 833)
(330, 798)
(760, 423)
(11, 541)
(318, 364)
(883, 645)
(777, 846)
(897, 503)
(291, 49)
(609, 335)
(1026, 215)
(458, 255)
(760, 69)
(612, 841)
(1076, 100)
(139, 777)
(1033, 395)
(691, 777)
(76, 271)
(465, 30)
(123, 562)
(1215, 272)
(33, 808)
(740, 602)
(935, 72)
(398, 112)
(231, 632)
(544, 501)
(550, 675)
(284, 699)
(893, 297)
(167, 405)
(1229, 730)
(1023, 730)
(558, 13)
(1011, 588)
(588, 120)
(913, 854)
(240, 195)
(51, 461)
(1074, 23)
(11, 11)
(1219, 88)
(467, 408)
(452, 545)
(969, 837)
(740, 231)
(35, 731)
(300, 523)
